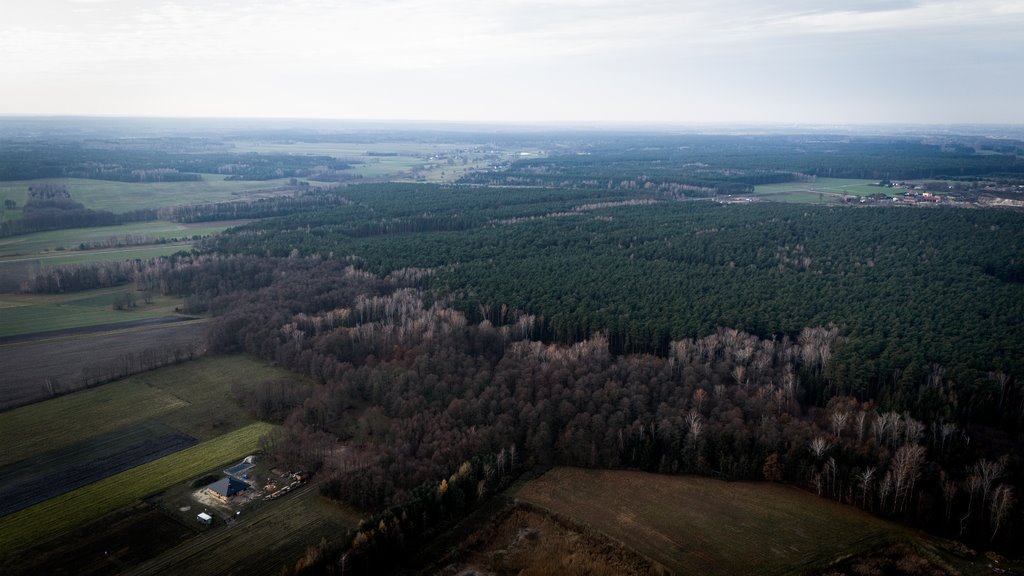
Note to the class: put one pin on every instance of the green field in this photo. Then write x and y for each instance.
(822, 189)
(121, 197)
(193, 398)
(111, 255)
(50, 243)
(803, 198)
(699, 526)
(63, 421)
(120, 490)
(30, 313)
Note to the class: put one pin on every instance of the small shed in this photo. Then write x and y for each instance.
(227, 487)
(204, 518)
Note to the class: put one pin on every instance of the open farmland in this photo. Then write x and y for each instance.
(391, 160)
(820, 190)
(41, 477)
(30, 313)
(21, 267)
(192, 398)
(38, 369)
(25, 255)
(64, 242)
(697, 526)
(121, 197)
(33, 430)
(262, 542)
(114, 492)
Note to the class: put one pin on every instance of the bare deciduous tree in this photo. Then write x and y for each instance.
(819, 446)
(693, 422)
(989, 471)
(972, 485)
(865, 479)
(1002, 503)
(949, 490)
(905, 468)
(838, 420)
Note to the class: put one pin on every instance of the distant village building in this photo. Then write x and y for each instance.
(225, 488)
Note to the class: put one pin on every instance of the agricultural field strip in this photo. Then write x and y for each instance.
(684, 523)
(829, 186)
(104, 254)
(39, 243)
(39, 478)
(27, 320)
(30, 313)
(94, 500)
(259, 543)
(126, 196)
(113, 328)
(71, 362)
(60, 422)
(173, 395)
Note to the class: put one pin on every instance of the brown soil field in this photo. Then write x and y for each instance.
(53, 473)
(895, 560)
(701, 526)
(529, 542)
(66, 361)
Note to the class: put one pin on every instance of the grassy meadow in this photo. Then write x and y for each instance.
(60, 243)
(13, 265)
(824, 190)
(31, 313)
(121, 197)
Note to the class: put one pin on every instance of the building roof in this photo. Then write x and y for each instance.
(228, 486)
(204, 516)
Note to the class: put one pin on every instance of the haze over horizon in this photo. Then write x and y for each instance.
(731, 61)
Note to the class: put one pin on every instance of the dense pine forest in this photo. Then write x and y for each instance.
(599, 309)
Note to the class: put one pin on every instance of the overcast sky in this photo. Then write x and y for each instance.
(775, 61)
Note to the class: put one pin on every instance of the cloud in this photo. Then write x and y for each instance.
(555, 57)
(404, 34)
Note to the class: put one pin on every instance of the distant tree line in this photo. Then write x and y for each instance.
(124, 365)
(104, 161)
(258, 208)
(701, 165)
(51, 212)
(50, 207)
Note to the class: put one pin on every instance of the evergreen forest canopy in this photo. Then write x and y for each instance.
(594, 307)
(910, 288)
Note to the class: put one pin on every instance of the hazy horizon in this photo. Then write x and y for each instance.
(872, 62)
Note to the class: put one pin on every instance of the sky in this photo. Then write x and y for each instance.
(598, 61)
